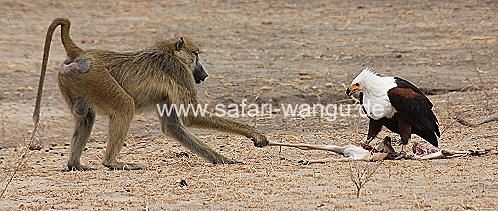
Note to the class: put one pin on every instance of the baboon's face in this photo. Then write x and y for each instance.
(191, 52)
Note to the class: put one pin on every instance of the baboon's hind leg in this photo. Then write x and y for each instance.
(84, 124)
(103, 92)
(83, 118)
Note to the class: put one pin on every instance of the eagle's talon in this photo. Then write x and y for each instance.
(401, 155)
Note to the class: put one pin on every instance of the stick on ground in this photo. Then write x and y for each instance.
(478, 121)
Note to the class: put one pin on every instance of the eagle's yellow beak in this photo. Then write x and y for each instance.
(353, 89)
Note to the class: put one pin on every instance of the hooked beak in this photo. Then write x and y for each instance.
(353, 89)
(348, 92)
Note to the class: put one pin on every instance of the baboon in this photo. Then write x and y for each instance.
(121, 84)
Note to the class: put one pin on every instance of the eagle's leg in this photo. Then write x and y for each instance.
(405, 131)
(374, 127)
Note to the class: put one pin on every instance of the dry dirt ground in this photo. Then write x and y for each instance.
(266, 52)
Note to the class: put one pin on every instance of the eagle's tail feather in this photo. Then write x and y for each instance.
(429, 136)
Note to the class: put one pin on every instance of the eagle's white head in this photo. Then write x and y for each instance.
(370, 82)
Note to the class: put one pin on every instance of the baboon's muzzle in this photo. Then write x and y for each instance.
(200, 75)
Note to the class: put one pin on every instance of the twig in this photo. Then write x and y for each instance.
(480, 80)
(449, 105)
(361, 176)
(478, 121)
(23, 157)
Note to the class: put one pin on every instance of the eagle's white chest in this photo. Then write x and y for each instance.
(375, 99)
(377, 107)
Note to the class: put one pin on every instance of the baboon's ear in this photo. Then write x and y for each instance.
(180, 44)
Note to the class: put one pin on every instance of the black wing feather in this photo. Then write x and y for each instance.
(415, 108)
(402, 83)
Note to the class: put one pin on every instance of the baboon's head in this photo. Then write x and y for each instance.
(189, 52)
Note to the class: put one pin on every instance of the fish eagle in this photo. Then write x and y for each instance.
(396, 104)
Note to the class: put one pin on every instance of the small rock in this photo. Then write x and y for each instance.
(181, 154)
(182, 183)
(35, 147)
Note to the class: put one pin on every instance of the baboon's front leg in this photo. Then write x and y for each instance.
(118, 128)
(227, 125)
(81, 134)
(173, 126)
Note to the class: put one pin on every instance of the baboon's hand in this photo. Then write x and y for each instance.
(259, 140)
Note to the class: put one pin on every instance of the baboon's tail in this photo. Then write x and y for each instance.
(72, 51)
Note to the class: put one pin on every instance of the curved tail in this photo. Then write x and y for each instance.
(72, 51)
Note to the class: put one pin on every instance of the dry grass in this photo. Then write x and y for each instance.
(24, 152)
(360, 173)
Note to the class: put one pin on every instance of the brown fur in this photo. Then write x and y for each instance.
(121, 84)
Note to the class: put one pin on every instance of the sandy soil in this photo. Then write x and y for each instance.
(293, 52)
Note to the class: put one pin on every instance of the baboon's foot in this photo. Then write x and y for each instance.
(124, 166)
(259, 140)
(78, 168)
